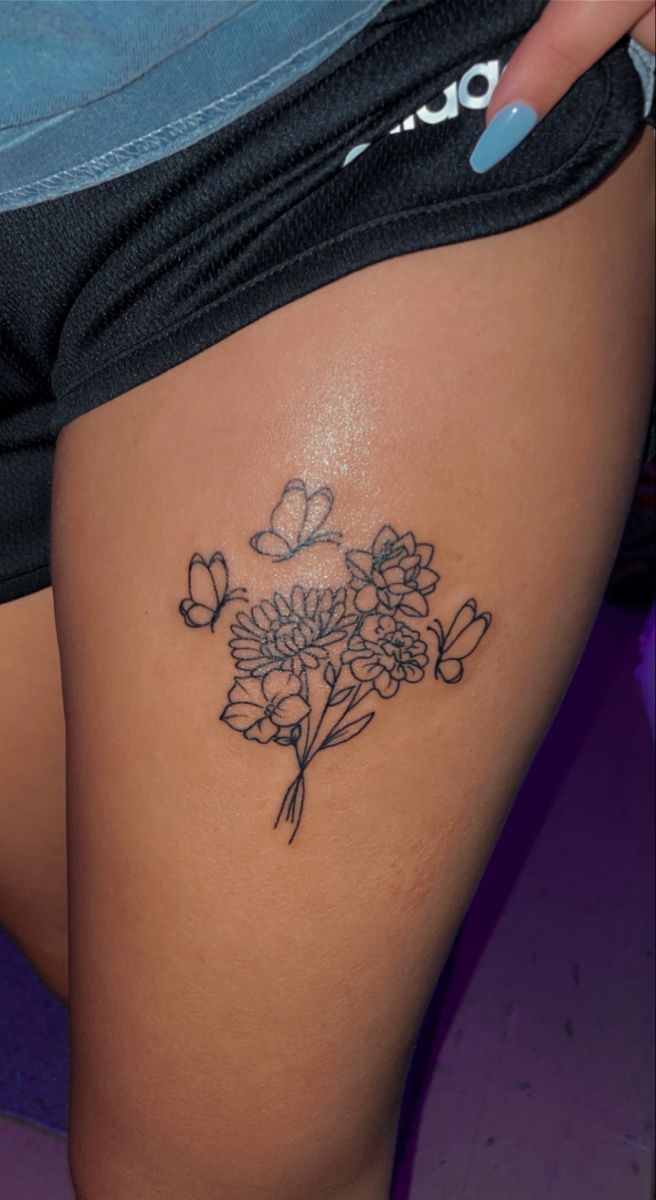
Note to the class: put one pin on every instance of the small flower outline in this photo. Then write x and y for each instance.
(393, 575)
(386, 652)
(262, 708)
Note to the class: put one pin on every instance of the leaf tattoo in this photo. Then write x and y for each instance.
(296, 522)
(460, 640)
(208, 591)
(307, 659)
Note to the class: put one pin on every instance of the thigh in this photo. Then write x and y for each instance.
(244, 1007)
(32, 787)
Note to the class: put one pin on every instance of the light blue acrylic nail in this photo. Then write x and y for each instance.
(506, 130)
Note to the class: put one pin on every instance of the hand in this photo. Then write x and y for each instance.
(568, 38)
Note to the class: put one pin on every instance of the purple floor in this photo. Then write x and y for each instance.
(538, 1079)
(33, 1045)
(32, 1165)
(534, 1078)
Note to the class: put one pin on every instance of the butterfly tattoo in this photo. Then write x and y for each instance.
(460, 640)
(208, 587)
(296, 522)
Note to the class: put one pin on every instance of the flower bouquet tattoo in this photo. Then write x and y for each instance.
(307, 662)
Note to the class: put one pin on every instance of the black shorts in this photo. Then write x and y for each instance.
(106, 288)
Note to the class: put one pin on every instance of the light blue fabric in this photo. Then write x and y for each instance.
(643, 61)
(92, 89)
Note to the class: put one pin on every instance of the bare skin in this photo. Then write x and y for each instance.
(493, 397)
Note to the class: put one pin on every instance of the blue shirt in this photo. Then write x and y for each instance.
(92, 89)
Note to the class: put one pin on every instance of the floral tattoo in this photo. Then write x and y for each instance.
(306, 661)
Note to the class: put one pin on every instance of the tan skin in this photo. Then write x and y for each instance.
(491, 395)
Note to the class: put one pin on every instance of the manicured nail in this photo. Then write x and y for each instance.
(506, 130)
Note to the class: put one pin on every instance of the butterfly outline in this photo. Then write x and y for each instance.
(208, 587)
(467, 628)
(296, 522)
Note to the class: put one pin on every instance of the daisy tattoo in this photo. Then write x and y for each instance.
(309, 660)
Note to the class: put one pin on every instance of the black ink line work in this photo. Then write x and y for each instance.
(460, 640)
(296, 522)
(208, 584)
(309, 660)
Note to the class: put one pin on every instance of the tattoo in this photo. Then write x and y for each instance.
(459, 641)
(307, 660)
(207, 583)
(296, 522)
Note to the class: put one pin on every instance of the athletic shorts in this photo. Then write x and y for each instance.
(364, 158)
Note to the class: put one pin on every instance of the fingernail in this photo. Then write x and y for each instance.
(506, 130)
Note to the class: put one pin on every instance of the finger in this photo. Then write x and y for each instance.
(568, 38)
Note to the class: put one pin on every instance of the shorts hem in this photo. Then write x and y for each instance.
(23, 583)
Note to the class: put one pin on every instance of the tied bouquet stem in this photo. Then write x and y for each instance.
(340, 701)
